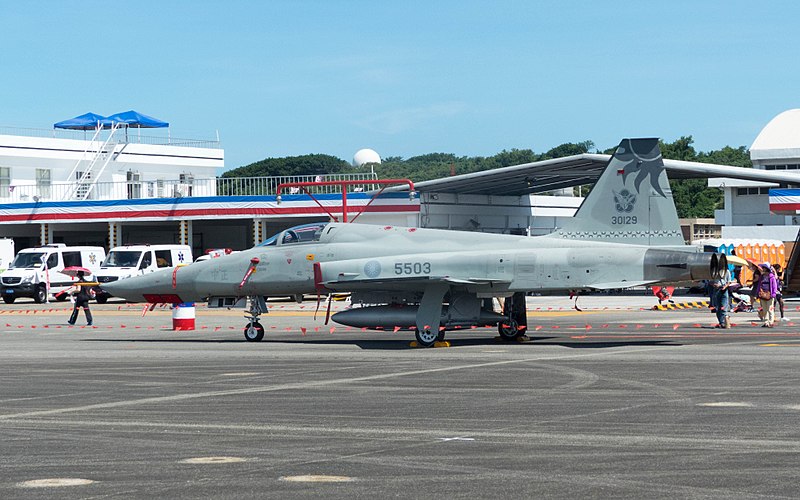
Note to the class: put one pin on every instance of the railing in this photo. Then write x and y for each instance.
(249, 186)
(159, 188)
(133, 136)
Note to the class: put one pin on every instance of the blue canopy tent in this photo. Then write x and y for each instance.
(88, 121)
(126, 120)
(138, 120)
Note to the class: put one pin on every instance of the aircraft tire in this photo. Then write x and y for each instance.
(426, 338)
(254, 332)
(509, 330)
(101, 299)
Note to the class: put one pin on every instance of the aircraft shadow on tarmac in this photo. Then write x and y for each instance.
(404, 344)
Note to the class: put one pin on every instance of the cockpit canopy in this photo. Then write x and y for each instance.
(305, 233)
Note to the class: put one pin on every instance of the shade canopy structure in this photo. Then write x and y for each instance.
(87, 121)
(135, 119)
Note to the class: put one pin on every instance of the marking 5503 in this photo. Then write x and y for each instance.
(412, 268)
(624, 219)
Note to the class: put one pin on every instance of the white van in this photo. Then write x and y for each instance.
(133, 260)
(6, 253)
(35, 272)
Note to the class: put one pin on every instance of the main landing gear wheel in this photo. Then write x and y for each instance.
(509, 330)
(426, 338)
(254, 332)
(515, 324)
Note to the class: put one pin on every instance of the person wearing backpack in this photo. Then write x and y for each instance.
(766, 289)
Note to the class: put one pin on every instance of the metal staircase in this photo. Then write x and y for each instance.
(791, 274)
(94, 160)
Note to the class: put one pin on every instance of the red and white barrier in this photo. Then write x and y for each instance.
(183, 316)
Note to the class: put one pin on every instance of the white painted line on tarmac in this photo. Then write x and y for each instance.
(213, 460)
(55, 482)
(309, 385)
(727, 404)
(317, 478)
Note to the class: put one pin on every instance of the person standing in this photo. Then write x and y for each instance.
(82, 297)
(779, 297)
(721, 298)
(766, 289)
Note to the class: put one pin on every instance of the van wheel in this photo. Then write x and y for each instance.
(40, 294)
(9, 299)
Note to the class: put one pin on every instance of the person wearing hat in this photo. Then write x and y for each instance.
(720, 298)
(766, 288)
(82, 297)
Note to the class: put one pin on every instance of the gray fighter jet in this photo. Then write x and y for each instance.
(625, 234)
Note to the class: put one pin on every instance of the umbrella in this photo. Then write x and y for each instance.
(737, 261)
(74, 270)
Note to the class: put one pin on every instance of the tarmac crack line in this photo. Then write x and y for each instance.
(300, 385)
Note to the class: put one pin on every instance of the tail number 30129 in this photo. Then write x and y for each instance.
(624, 219)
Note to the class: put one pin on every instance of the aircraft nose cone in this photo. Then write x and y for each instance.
(146, 288)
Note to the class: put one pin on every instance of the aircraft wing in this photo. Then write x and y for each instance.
(410, 282)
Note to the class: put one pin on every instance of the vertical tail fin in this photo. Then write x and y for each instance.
(631, 202)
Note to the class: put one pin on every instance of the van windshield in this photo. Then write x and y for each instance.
(27, 260)
(122, 258)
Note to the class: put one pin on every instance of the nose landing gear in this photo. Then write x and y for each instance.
(254, 332)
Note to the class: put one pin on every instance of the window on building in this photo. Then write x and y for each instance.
(85, 184)
(5, 182)
(790, 166)
(43, 182)
(187, 184)
(751, 191)
(134, 185)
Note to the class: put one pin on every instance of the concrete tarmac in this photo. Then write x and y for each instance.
(613, 401)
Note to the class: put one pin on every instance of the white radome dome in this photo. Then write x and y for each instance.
(364, 156)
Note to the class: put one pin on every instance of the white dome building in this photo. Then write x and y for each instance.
(777, 147)
(365, 156)
(747, 212)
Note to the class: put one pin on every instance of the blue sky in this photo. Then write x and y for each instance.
(279, 78)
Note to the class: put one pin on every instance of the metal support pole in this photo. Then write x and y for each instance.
(44, 234)
(257, 231)
(186, 232)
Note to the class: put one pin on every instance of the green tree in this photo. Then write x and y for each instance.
(313, 164)
(568, 149)
(737, 157)
(693, 198)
